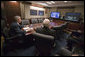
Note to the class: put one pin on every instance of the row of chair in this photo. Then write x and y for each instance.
(32, 21)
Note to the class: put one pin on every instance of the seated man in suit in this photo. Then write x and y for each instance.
(44, 46)
(17, 29)
(48, 46)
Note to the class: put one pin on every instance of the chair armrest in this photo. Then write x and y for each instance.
(43, 36)
(13, 37)
(66, 31)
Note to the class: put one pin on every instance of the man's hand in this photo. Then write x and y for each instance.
(30, 32)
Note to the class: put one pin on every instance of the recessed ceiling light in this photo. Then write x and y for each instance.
(65, 1)
(49, 2)
(12, 1)
(43, 4)
(52, 2)
(70, 1)
(36, 8)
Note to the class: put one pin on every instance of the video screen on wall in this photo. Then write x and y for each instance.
(72, 16)
(33, 12)
(55, 14)
(41, 13)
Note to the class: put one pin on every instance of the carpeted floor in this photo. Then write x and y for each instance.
(22, 52)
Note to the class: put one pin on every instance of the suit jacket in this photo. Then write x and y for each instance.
(46, 31)
(44, 46)
(15, 29)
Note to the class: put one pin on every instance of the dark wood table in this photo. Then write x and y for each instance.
(37, 25)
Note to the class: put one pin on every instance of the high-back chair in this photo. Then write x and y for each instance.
(25, 22)
(40, 20)
(43, 43)
(33, 21)
(10, 42)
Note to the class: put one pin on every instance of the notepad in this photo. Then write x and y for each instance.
(26, 29)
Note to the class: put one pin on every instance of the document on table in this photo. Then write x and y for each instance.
(26, 29)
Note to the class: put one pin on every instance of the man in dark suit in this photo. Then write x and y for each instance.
(16, 28)
(44, 46)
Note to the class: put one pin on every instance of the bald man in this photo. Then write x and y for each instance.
(45, 29)
(45, 48)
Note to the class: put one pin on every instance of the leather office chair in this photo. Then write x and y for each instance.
(62, 35)
(25, 22)
(40, 20)
(43, 43)
(33, 21)
(9, 42)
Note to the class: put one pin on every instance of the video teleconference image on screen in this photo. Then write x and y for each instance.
(55, 14)
(41, 13)
(72, 16)
(33, 12)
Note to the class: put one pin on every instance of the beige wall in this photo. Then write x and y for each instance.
(80, 9)
(25, 12)
(22, 10)
(63, 10)
(51, 10)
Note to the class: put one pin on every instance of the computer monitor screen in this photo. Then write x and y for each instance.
(33, 12)
(72, 16)
(41, 13)
(55, 14)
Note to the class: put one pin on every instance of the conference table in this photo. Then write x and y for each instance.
(32, 27)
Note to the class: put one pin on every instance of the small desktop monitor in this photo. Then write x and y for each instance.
(55, 14)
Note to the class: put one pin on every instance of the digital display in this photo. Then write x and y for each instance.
(33, 12)
(55, 14)
(72, 16)
(41, 13)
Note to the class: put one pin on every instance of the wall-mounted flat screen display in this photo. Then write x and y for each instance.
(33, 12)
(41, 13)
(72, 16)
(55, 14)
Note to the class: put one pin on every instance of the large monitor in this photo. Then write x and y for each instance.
(55, 14)
(72, 16)
(33, 12)
(41, 13)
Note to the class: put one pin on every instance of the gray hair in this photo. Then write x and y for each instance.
(46, 22)
(16, 17)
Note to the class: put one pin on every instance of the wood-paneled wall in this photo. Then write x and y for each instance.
(11, 9)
